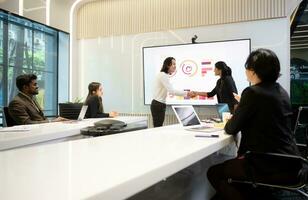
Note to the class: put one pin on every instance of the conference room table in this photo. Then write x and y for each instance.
(110, 167)
(23, 135)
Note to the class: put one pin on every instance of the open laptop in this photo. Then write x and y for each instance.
(221, 108)
(81, 115)
(189, 119)
(213, 113)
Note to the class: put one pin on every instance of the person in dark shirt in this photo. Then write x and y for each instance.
(94, 102)
(225, 86)
(263, 117)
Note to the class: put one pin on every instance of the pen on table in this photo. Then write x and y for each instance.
(207, 136)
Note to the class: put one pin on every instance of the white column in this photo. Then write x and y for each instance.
(47, 12)
(21, 7)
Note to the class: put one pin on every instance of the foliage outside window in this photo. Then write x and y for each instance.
(30, 47)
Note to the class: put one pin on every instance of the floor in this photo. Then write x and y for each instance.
(190, 184)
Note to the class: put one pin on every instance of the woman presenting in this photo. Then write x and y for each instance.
(225, 86)
(161, 88)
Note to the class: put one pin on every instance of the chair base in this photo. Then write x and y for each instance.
(297, 189)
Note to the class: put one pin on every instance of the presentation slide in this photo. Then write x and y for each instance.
(195, 68)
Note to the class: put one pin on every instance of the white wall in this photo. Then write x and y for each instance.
(60, 13)
(10, 5)
(117, 61)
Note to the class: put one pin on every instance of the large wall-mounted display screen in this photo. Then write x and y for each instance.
(195, 68)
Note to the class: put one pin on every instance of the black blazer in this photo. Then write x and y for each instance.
(224, 89)
(93, 108)
(264, 118)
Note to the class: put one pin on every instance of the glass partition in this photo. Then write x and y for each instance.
(299, 57)
(30, 47)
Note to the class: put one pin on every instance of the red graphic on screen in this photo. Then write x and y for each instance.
(205, 67)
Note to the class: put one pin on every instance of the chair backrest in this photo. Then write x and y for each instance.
(70, 110)
(302, 117)
(300, 165)
(9, 121)
(301, 130)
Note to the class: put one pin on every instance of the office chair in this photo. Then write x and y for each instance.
(9, 121)
(301, 130)
(70, 110)
(301, 169)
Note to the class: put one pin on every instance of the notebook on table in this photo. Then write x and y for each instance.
(189, 119)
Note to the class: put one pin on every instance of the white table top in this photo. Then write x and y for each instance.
(30, 134)
(110, 167)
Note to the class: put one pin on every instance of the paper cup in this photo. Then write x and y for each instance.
(226, 116)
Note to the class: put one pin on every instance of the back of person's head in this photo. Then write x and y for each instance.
(24, 80)
(225, 69)
(265, 64)
(93, 87)
(167, 63)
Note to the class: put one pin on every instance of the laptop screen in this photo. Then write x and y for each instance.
(214, 111)
(209, 111)
(186, 115)
(222, 107)
(82, 112)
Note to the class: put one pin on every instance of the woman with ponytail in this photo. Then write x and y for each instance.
(225, 86)
(94, 102)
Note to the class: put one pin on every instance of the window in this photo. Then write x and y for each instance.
(299, 57)
(29, 47)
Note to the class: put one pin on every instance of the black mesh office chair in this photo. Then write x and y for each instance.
(8, 120)
(301, 130)
(70, 110)
(301, 167)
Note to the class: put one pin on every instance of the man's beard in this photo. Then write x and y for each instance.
(35, 92)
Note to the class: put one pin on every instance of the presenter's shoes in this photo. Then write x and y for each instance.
(216, 197)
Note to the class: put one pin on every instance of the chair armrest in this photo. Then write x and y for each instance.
(250, 154)
(300, 161)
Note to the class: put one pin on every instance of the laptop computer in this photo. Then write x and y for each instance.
(210, 113)
(82, 113)
(221, 108)
(189, 119)
(213, 113)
